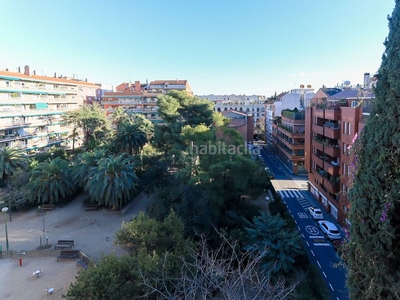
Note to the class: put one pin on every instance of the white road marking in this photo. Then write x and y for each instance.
(307, 244)
(324, 274)
(319, 264)
(312, 253)
(332, 287)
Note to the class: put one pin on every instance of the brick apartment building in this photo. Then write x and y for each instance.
(141, 98)
(331, 122)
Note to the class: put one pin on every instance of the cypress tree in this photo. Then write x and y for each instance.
(374, 247)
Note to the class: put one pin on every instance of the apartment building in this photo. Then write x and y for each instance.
(288, 129)
(31, 107)
(332, 120)
(249, 104)
(241, 122)
(270, 116)
(141, 98)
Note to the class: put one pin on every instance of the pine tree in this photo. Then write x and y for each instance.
(374, 247)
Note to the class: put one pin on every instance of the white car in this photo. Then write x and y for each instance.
(330, 230)
(316, 213)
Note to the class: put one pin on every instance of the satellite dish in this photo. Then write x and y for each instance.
(302, 86)
(347, 83)
(309, 86)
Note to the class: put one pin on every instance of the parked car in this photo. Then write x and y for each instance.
(330, 230)
(316, 213)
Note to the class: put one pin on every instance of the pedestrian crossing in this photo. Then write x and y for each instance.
(296, 195)
(290, 194)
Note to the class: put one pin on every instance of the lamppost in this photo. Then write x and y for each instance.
(5, 210)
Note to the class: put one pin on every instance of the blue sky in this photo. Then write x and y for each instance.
(220, 46)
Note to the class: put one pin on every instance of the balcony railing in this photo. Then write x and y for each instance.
(332, 150)
(333, 133)
(318, 129)
(318, 160)
(332, 168)
(332, 186)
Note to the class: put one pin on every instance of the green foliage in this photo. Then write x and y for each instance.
(313, 287)
(113, 181)
(269, 234)
(50, 181)
(113, 278)
(151, 236)
(12, 159)
(92, 121)
(374, 247)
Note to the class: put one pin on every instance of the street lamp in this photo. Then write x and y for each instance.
(5, 210)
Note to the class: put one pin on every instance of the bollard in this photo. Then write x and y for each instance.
(1, 251)
(47, 241)
(40, 240)
(20, 261)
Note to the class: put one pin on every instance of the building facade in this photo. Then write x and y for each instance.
(250, 104)
(332, 122)
(288, 139)
(241, 122)
(31, 107)
(141, 98)
(288, 128)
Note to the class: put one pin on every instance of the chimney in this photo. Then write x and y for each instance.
(367, 80)
(34, 72)
(137, 86)
(55, 75)
(7, 69)
(26, 70)
(19, 69)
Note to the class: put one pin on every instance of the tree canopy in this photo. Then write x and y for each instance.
(374, 247)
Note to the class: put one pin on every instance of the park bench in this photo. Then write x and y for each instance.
(84, 261)
(48, 207)
(91, 207)
(64, 244)
(68, 254)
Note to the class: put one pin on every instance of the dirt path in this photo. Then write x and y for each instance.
(92, 231)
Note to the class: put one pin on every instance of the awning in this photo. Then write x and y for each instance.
(9, 77)
(34, 92)
(41, 105)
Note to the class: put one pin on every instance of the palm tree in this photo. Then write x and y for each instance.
(114, 181)
(84, 165)
(283, 245)
(119, 116)
(50, 181)
(130, 138)
(11, 159)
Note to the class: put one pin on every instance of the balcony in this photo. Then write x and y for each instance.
(332, 150)
(318, 129)
(318, 144)
(333, 133)
(319, 113)
(332, 187)
(318, 160)
(332, 114)
(331, 169)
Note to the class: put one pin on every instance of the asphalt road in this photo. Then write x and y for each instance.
(293, 190)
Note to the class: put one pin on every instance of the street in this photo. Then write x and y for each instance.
(294, 193)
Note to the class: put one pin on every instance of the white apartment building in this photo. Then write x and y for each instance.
(31, 107)
(250, 104)
(296, 98)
